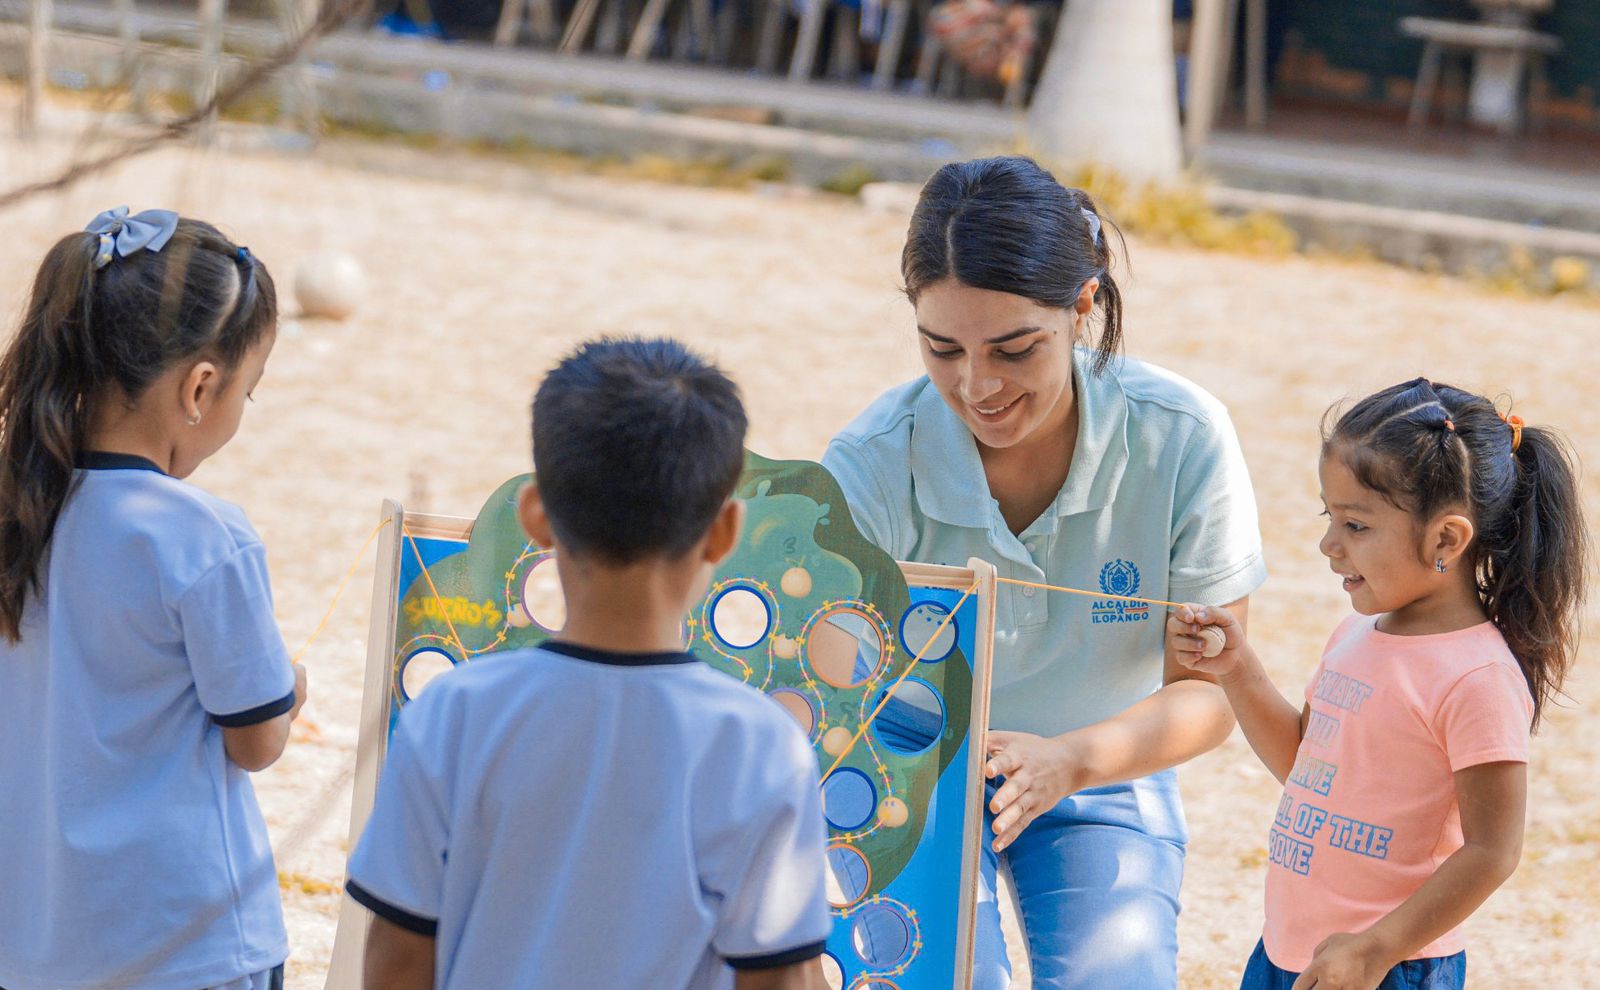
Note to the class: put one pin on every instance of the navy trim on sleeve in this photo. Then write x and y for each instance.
(388, 912)
(772, 961)
(256, 715)
(105, 460)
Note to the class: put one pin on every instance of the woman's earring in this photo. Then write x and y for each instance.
(195, 421)
(1439, 565)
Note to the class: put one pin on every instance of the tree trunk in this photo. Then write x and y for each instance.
(38, 50)
(1109, 92)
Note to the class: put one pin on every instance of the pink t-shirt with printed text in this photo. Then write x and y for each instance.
(1369, 811)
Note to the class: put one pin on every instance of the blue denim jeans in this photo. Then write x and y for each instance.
(1445, 973)
(1097, 880)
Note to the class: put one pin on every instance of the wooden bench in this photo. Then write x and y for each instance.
(1505, 56)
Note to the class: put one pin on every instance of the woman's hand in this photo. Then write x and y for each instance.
(1039, 772)
(1183, 637)
(1345, 962)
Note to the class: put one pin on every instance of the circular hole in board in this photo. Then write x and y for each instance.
(848, 875)
(542, 598)
(921, 635)
(797, 705)
(844, 648)
(912, 720)
(740, 618)
(419, 669)
(848, 799)
(832, 972)
(881, 935)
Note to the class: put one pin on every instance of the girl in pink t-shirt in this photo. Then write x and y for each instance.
(1460, 540)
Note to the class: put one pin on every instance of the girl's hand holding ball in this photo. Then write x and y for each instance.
(1205, 638)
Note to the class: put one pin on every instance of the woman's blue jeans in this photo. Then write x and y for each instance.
(1097, 881)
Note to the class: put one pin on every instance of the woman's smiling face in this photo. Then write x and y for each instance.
(1002, 361)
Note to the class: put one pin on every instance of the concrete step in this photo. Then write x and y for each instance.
(1429, 240)
(1511, 192)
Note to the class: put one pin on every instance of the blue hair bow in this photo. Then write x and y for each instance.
(121, 235)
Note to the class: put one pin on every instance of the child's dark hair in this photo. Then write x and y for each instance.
(1429, 448)
(637, 444)
(1005, 224)
(93, 335)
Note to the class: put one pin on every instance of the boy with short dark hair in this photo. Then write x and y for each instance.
(605, 811)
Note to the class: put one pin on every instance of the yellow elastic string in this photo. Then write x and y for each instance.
(1090, 594)
(444, 613)
(343, 583)
(903, 675)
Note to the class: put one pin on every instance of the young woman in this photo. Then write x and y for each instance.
(1030, 445)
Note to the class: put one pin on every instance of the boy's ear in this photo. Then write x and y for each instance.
(530, 512)
(1453, 534)
(724, 533)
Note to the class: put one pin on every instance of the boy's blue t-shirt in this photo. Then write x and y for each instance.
(132, 851)
(564, 817)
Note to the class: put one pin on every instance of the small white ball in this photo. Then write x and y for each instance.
(329, 284)
(1215, 640)
(796, 582)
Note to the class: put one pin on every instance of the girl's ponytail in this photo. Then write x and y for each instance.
(102, 329)
(1535, 564)
(45, 379)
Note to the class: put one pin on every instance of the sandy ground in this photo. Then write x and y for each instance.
(483, 272)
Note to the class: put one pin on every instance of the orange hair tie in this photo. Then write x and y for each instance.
(1515, 422)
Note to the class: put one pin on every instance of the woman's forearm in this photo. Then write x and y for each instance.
(1173, 725)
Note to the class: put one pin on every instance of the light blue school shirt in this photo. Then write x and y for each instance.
(566, 817)
(132, 852)
(1157, 504)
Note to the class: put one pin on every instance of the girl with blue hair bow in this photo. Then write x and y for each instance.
(142, 675)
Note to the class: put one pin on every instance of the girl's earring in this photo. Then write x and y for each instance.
(195, 421)
(1439, 565)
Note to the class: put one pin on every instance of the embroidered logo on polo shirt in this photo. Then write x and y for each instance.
(1119, 577)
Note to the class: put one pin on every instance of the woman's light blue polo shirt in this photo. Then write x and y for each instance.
(1157, 504)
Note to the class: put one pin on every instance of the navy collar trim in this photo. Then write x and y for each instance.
(618, 659)
(104, 460)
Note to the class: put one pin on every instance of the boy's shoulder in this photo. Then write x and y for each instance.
(679, 682)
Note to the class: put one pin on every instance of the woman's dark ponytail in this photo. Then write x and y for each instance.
(1109, 297)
